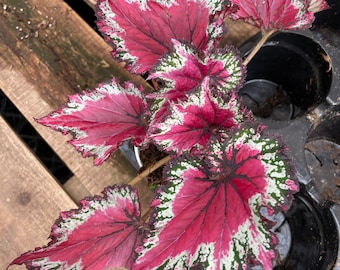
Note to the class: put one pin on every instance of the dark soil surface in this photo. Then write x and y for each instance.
(149, 157)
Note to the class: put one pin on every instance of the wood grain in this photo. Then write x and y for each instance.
(31, 199)
(46, 53)
(38, 71)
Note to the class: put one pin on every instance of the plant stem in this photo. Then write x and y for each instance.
(258, 46)
(146, 216)
(149, 170)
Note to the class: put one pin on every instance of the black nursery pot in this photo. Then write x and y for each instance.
(293, 87)
(313, 235)
(322, 152)
(289, 76)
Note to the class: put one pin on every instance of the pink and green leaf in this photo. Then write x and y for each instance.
(141, 31)
(101, 120)
(101, 234)
(278, 14)
(184, 69)
(208, 215)
(192, 123)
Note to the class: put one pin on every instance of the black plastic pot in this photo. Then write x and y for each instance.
(293, 87)
(313, 236)
(288, 77)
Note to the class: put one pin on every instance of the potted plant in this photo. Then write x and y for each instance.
(227, 179)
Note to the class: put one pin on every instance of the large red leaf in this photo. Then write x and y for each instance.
(101, 120)
(101, 234)
(278, 14)
(208, 215)
(141, 31)
(192, 123)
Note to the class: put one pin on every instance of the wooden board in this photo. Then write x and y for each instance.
(30, 198)
(47, 52)
(237, 33)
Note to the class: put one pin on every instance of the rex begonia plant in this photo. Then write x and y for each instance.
(223, 171)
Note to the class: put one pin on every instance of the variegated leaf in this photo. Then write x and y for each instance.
(192, 123)
(101, 234)
(183, 70)
(278, 14)
(208, 215)
(101, 120)
(141, 31)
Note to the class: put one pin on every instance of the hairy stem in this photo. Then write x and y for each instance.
(149, 170)
(264, 38)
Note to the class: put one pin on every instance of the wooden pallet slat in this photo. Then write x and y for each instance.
(30, 198)
(38, 73)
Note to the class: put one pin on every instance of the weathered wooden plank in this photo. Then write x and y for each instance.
(75, 189)
(31, 199)
(26, 98)
(238, 32)
(47, 52)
